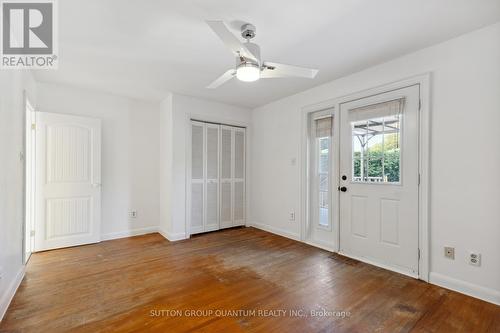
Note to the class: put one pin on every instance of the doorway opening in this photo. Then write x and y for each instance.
(363, 177)
(217, 173)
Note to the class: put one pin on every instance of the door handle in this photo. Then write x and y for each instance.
(342, 189)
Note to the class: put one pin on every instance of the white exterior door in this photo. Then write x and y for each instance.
(68, 178)
(379, 179)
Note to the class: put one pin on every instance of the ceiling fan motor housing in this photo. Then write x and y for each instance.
(248, 31)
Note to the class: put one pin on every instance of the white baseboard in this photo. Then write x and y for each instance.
(321, 245)
(10, 292)
(129, 233)
(172, 237)
(274, 230)
(371, 261)
(467, 288)
(290, 235)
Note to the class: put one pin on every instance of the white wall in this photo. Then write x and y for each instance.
(130, 161)
(465, 154)
(181, 108)
(12, 84)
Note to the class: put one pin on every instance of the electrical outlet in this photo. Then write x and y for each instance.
(133, 214)
(474, 259)
(292, 216)
(449, 252)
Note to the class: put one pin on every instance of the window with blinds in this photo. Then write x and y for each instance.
(324, 127)
(322, 131)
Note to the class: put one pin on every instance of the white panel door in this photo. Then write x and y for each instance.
(68, 177)
(238, 176)
(197, 198)
(379, 179)
(211, 177)
(226, 176)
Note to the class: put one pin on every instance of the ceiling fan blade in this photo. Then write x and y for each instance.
(230, 40)
(228, 75)
(276, 70)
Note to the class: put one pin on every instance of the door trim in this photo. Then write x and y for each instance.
(423, 81)
(29, 181)
(311, 227)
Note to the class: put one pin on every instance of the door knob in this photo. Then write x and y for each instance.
(343, 189)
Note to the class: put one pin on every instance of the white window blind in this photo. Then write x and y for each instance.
(379, 110)
(324, 127)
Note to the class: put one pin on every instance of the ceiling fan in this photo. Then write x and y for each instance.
(249, 66)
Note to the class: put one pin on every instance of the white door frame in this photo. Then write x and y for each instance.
(423, 81)
(333, 182)
(29, 173)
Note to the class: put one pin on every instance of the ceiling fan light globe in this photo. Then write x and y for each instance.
(248, 73)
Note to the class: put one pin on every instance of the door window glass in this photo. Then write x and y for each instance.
(376, 149)
(323, 176)
(323, 127)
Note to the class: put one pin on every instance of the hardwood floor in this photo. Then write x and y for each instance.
(146, 283)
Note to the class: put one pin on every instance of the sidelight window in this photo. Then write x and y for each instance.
(323, 153)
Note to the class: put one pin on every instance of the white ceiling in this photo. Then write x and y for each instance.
(143, 49)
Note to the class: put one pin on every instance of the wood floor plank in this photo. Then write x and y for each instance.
(244, 276)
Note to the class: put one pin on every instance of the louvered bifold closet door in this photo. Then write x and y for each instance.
(239, 176)
(217, 196)
(212, 177)
(197, 177)
(226, 174)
